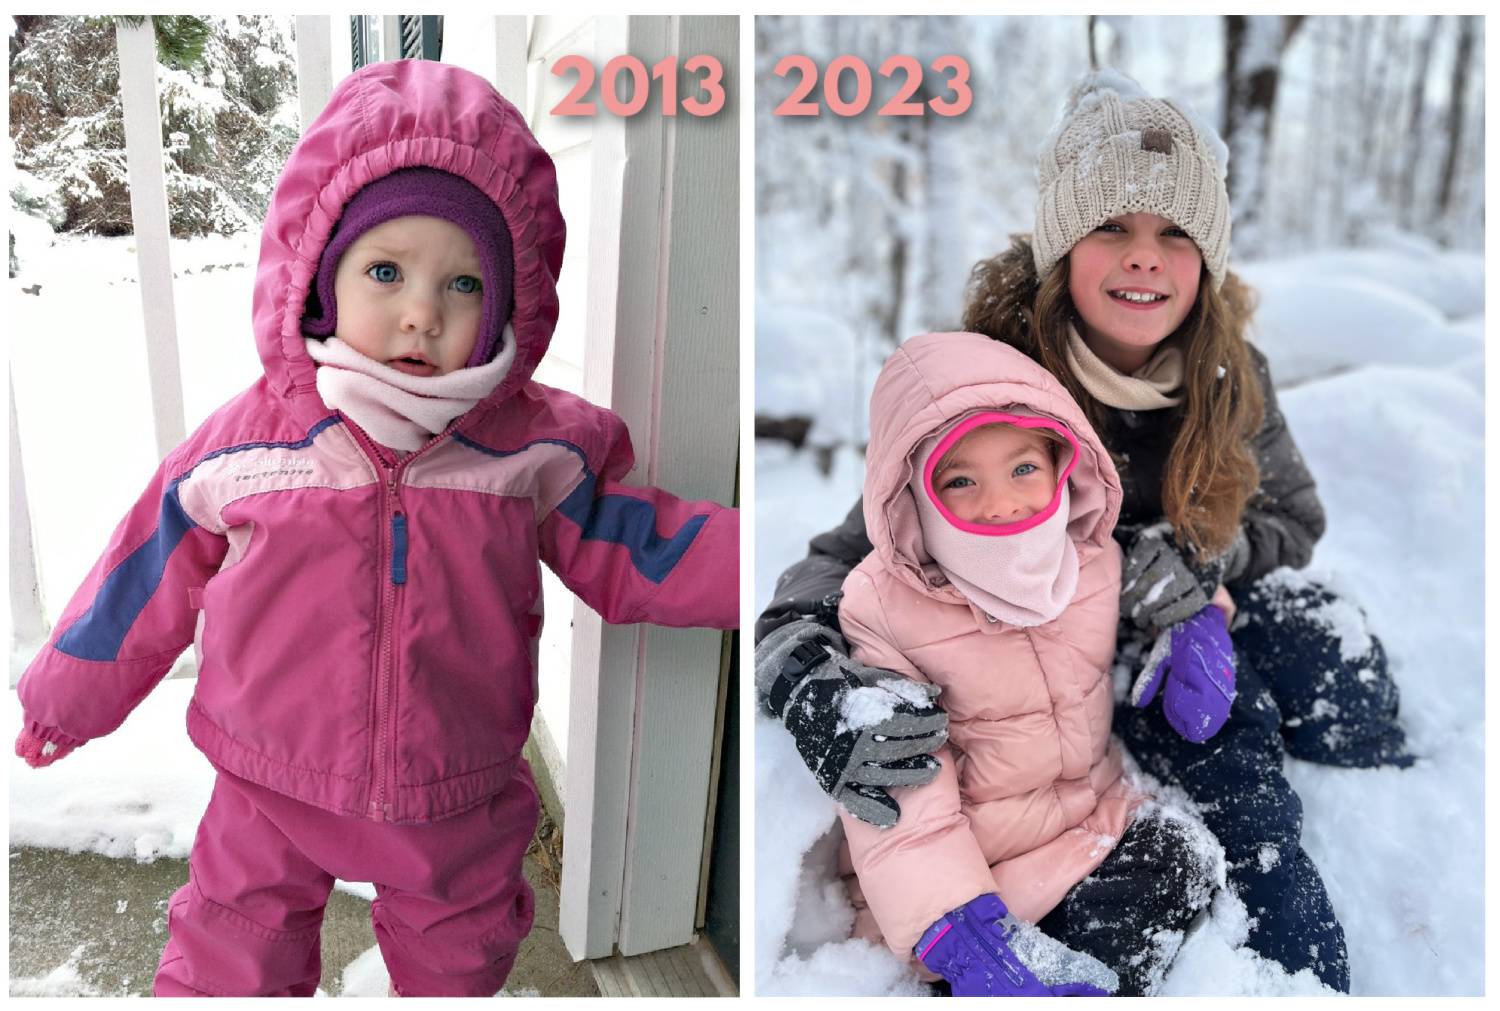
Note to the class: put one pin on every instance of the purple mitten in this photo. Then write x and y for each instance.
(983, 951)
(1195, 660)
(37, 752)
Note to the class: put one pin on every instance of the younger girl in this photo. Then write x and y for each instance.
(990, 503)
(353, 546)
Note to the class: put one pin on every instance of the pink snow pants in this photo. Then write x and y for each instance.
(450, 911)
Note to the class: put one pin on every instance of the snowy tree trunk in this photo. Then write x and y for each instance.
(1252, 66)
(1305, 223)
(1462, 71)
(1377, 132)
(1416, 124)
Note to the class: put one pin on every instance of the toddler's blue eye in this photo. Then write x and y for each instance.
(467, 284)
(385, 273)
(958, 482)
(1024, 469)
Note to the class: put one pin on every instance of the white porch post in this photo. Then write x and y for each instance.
(148, 214)
(511, 50)
(663, 326)
(28, 628)
(314, 66)
(694, 449)
(601, 700)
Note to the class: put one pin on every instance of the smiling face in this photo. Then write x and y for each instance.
(997, 474)
(1133, 281)
(410, 296)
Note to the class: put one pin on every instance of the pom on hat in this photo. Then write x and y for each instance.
(1116, 150)
(438, 194)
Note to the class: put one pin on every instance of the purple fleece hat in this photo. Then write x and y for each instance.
(441, 195)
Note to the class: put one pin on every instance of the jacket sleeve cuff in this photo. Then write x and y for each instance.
(51, 734)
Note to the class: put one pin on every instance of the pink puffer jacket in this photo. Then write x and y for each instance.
(1030, 798)
(366, 631)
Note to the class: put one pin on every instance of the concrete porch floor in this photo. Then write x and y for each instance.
(87, 925)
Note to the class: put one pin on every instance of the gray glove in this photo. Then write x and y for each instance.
(859, 729)
(1161, 588)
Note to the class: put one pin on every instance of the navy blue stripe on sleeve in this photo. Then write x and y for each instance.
(615, 519)
(631, 523)
(98, 634)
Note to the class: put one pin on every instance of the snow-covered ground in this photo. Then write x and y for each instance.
(1378, 356)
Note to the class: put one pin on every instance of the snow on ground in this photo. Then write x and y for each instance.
(1378, 356)
(63, 981)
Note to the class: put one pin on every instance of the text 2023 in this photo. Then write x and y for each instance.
(899, 104)
(711, 85)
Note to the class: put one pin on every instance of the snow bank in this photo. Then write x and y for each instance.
(1323, 314)
(796, 348)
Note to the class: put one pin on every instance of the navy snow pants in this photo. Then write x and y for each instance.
(1328, 674)
(1311, 682)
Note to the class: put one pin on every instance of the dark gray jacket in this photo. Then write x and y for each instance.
(1282, 522)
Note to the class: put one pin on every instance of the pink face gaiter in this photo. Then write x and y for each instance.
(1021, 573)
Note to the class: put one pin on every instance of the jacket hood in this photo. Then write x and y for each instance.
(928, 385)
(382, 118)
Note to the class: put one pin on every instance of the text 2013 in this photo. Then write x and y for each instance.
(709, 100)
(953, 72)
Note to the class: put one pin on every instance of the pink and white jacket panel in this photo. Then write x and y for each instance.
(1030, 798)
(366, 628)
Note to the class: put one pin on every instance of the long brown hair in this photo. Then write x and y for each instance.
(1211, 471)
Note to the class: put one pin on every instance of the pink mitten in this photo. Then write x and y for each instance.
(37, 752)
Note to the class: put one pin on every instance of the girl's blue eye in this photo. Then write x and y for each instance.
(957, 482)
(467, 284)
(1024, 469)
(1176, 233)
(385, 273)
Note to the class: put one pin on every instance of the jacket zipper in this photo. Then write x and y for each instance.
(393, 550)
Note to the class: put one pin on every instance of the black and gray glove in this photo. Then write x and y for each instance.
(859, 729)
(1160, 588)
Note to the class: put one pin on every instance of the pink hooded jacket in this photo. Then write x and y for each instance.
(1030, 798)
(366, 633)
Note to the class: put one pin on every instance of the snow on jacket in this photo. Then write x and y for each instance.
(1030, 798)
(366, 630)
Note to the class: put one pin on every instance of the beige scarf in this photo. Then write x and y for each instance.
(1155, 385)
(395, 409)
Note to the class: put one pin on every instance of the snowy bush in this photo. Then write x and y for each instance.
(67, 122)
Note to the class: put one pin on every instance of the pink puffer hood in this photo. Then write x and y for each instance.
(386, 117)
(932, 382)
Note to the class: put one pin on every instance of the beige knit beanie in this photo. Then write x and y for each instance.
(1117, 150)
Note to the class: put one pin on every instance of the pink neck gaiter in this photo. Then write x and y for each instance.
(397, 410)
(1021, 573)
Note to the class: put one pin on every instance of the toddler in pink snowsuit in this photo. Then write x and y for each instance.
(352, 545)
